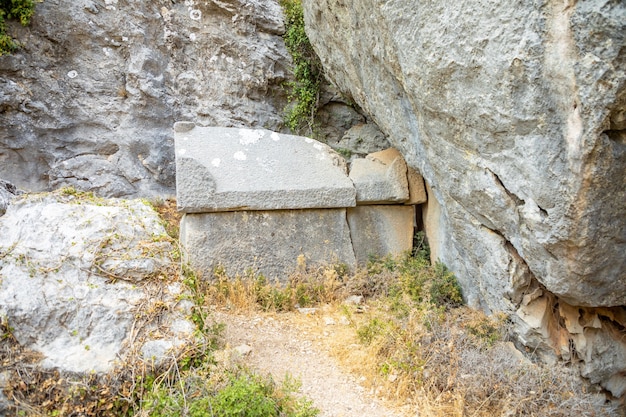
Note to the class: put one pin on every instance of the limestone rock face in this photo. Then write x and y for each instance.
(90, 99)
(514, 115)
(69, 273)
(363, 139)
(226, 169)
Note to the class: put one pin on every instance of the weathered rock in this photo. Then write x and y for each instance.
(221, 169)
(335, 119)
(363, 139)
(270, 242)
(586, 337)
(69, 266)
(514, 114)
(380, 178)
(431, 219)
(378, 231)
(7, 192)
(417, 188)
(472, 113)
(90, 98)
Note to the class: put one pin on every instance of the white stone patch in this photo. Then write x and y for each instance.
(240, 156)
(249, 137)
(182, 151)
(275, 137)
(72, 74)
(109, 4)
(318, 146)
(192, 37)
(216, 162)
(195, 14)
(308, 140)
(266, 164)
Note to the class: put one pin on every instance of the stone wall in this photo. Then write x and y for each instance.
(271, 203)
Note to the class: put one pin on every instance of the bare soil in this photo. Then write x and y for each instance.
(295, 343)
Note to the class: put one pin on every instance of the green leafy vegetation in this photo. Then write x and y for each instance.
(307, 70)
(21, 10)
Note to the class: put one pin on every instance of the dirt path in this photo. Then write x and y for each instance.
(281, 344)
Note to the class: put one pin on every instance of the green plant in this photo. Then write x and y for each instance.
(240, 394)
(445, 289)
(247, 396)
(21, 10)
(371, 330)
(307, 71)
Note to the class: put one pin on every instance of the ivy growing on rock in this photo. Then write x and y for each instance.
(307, 70)
(21, 10)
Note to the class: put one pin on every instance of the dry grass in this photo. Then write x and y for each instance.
(415, 345)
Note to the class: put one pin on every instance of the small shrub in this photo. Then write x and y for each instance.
(307, 71)
(445, 289)
(21, 10)
(245, 396)
(374, 328)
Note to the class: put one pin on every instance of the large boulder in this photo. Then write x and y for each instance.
(89, 282)
(90, 98)
(514, 114)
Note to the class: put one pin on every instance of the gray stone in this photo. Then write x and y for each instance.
(587, 337)
(334, 119)
(520, 136)
(7, 192)
(222, 169)
(69, 265)
(472, 114)
(363, 139)
(378, 231)
(380, 178)
(417, 188)
(90, 100)
(274, 243)
(431, 220)
(243, 350)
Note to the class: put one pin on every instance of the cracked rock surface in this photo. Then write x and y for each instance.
(91, 97)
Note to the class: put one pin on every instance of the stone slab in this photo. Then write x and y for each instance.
(268, 242)
(229, 169)
(381, 230)
(417, 190)
(380, 178)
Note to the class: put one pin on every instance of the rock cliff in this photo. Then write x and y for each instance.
(515, 115)
(91, 97)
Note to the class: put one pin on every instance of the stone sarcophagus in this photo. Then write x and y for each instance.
(260, 200)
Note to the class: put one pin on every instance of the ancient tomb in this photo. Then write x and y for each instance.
(260, 200)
